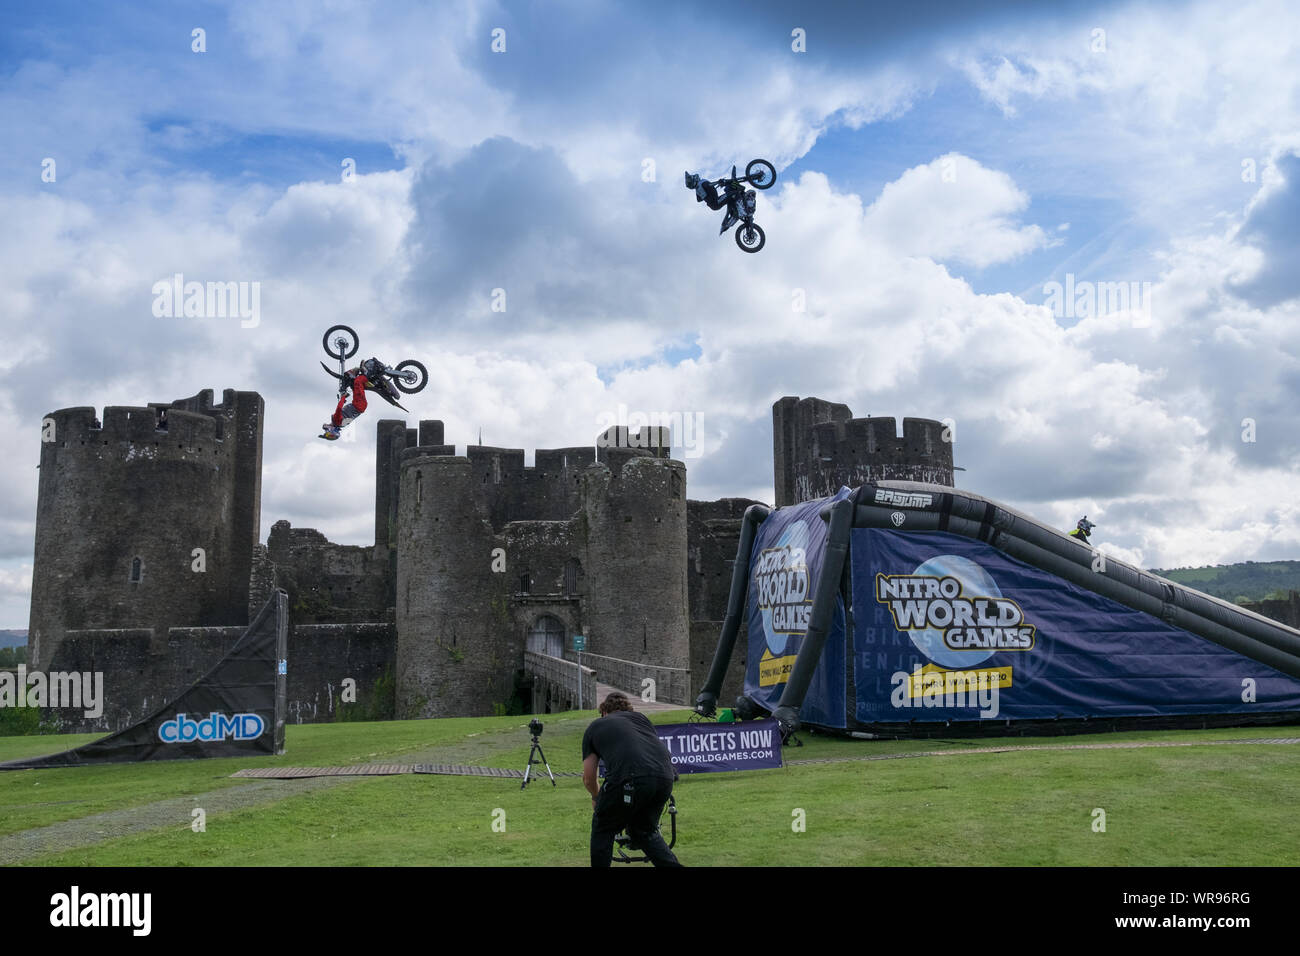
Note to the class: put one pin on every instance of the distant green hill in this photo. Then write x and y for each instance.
(1249, 581)
(13, 638)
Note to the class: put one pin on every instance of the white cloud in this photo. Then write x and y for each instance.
(954, 209)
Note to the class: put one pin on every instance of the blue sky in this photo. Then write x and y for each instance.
(938, 166)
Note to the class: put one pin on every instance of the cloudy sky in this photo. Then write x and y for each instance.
(940, 169)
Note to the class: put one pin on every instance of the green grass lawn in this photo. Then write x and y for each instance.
(1199, 805)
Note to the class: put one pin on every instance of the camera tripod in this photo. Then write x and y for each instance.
(538, 752)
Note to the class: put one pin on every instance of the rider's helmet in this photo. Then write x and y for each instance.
(372, 368)
(1085, 526)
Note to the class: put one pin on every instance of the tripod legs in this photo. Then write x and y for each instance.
(528, 771)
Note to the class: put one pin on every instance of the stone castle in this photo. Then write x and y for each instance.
(149, 561)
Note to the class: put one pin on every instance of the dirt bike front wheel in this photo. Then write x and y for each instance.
(411, 376)
(750, 236)
(344, 345)
(761, 174)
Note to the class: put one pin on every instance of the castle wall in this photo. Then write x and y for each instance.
(239, 419)
(704, 643)
(323, 656)
(548, 491)
(392, 437)
(327, 582)
(140, 676)
(123, 490)
(713, 534)
(141, 671)
(818, 447)
(458, 642)
(635, 544)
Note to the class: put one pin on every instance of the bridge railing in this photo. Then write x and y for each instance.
(671, 685)
(578, 684)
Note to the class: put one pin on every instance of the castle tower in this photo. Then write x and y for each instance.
(819, 446)
(494, 557)
(456, 653)
(636, 561)
(147, 520)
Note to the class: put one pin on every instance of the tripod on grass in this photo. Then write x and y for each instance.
(535, 728)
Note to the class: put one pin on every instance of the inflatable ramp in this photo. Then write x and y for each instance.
(917, 609)
(235, 709)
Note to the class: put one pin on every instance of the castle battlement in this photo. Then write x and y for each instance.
(819, 446)
(141, 425)
(192, 424)
(186, 432)
(879, 436)
(496, 480)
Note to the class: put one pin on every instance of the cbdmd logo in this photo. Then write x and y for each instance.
(954, 612)
(181, 729)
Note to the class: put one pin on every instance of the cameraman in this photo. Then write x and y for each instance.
(638, 781)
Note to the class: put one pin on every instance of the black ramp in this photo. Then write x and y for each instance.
(951, 591)
(936, 507)
(236, 709)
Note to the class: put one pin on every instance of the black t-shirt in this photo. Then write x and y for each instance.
(628, 744)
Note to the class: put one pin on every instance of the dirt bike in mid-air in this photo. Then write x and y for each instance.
(740, 202)
(341, 343)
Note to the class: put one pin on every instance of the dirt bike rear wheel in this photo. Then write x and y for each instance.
(418, 373)
(761, 174)
(344, 332)
(750, 236)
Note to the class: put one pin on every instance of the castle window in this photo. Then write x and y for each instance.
(547, 636)
(571, 569)
(419, 487)
(137, 571)
(524, 583)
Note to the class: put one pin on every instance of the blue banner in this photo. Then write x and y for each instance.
(784, 569)
(707, 747)
(948, 628)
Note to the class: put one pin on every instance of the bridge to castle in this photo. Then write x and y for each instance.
(560, 684)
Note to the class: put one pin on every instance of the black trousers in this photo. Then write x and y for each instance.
(634, 805)
(711, 197)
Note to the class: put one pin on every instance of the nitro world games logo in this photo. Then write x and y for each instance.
(783, 586)
(963, 622)
(955, 615)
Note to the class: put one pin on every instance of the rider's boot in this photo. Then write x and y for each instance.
(692, 180)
